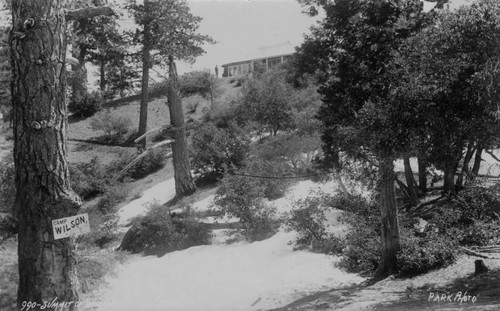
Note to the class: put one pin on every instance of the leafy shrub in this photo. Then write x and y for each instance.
(241, 197)
(104, 228)
(199, 82)
(362, 250)
(421, 254)
(471, 217)
(153, 161)
(113, 196)
(276, 186)
(224, 115)
(93, 265)
(86, 106)
(88, 179)
(162, 232)
(307, 219)
(113, 125)
(214, 150)
(240, 80)
(477, 202)
(192, 103)
(7, 184)
(104, 218)
(296, 150)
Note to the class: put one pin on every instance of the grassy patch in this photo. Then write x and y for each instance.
(94, 265)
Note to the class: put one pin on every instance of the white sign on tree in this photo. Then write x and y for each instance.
(70, 226)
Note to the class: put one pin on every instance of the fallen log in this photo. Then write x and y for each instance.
(473, 253)
(142, 155)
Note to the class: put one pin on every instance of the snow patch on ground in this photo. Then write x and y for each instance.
(158, 194)
(240, 276)
(243, 276)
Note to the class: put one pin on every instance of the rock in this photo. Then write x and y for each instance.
(133, 240)
(480, 267)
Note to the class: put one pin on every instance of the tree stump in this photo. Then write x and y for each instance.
(480, 267)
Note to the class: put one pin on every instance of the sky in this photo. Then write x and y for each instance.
(241, 27)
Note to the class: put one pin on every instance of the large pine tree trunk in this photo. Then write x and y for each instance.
(184, 184)
(78, 74)
(389, 219)
(477, 162)
(102, 74)
(47, 267)
(465, 166)
(143, 113)
(450, 170)
(410, 180)
(422, 174)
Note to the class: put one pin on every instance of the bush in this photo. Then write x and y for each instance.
(7, 184)
(275, 187)
(240, 80)
(421, 254)
(215, 150)
(477, 202)
(88, 179)
(153, 161)
(192, 103)
(86, 106)
(160, 232)
(93, 265)
(113, 196)
(298, 151)
(307, 219)
(104, 218)
(114, 126)
(471, 217)
(362, 250)
(242, 197)
(199, 82)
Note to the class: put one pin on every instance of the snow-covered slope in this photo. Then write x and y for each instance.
(242, 276)
(255, 276)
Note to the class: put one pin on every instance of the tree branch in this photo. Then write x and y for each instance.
(492, 155)
(473, 253)
(89, 13)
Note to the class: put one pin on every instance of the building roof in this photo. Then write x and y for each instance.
(269, 51)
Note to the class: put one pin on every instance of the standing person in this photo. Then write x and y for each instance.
(216, 71)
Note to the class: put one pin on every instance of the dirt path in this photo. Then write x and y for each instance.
(420, 293)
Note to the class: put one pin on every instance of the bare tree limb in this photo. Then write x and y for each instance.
(492, 155)
(473, 253)
(89, 13)
(161, 128)
(142, 155)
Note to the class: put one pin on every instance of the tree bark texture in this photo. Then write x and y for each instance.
(143, 113)
(78, 74)
(477, 162)
(184, 184)
(410, 181)
(465, 167)
(389, 219)
(450, 170)
(47, 267)
(102, 74)
(422, 175)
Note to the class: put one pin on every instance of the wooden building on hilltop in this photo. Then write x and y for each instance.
(247, 66)
(281, 52)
